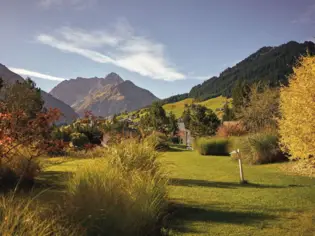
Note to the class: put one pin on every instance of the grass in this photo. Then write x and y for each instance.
(212, 146)
(208, 199)
(178, 107)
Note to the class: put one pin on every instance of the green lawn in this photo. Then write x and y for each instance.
(207, 198)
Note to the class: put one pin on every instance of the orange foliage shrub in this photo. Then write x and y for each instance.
(231, 128)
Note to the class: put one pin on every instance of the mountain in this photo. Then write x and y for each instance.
(269, 64)
(103, 96)
(69, 114)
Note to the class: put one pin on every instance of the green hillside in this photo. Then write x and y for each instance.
(178, 107)
(269, 64)
(214, 103)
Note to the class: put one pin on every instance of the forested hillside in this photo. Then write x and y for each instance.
(270, 64)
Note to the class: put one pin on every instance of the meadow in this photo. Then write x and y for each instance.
(207, 199)
(213, 103)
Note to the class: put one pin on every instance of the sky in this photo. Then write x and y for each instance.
(165, 46)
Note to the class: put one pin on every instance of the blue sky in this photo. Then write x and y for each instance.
(164, 46)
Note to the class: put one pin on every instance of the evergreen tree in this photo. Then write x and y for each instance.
(228, 113)
(186, 117)
(23, 96)
(204, 121)
(173, 124)
(240, 94)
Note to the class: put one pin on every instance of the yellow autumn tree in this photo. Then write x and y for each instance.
(297, 106)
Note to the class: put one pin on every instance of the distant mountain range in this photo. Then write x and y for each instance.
(269, 64)
(69, 114)
(112, 95)
(102, 96)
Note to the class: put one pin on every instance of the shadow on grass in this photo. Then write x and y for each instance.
(176, 149)
(55, 180)
(186, 214)
(213, 184)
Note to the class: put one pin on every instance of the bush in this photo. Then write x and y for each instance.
(158, 141)
(79, 140)
(24, 217)
(16, 168)
(132, 155)
(260, 149)
(175, 140)
(125, 196)
(231, 128)
(212, 146)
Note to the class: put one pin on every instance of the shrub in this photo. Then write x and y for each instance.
(79, 140)
(260, 109)
(158, 141)
(18, 167)
(126, 196)
(131, 155)
(232, 128)
(260, 148)
(25, 217)
(212, 146)
(175, 140)
(297, 106)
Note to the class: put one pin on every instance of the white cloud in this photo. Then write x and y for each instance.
(68, 47)
(34, 74)
(123, 48)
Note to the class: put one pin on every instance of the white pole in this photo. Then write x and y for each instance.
(241, 170)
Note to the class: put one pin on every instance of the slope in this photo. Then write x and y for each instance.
(103, 96)
(69, 114)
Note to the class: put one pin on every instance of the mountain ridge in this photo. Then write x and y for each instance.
(9, 77)
(103, 96)
(269, 64)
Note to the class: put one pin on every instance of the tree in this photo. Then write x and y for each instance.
(228, 113)
(173, 124)
(186, 117)
(203, 121)
(23, 96)
(297, 106)
(261, 109)
(240, 94)
(158, 117)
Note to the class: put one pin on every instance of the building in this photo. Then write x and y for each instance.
(184, 134)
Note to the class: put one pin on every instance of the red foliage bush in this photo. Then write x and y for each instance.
(231, 128)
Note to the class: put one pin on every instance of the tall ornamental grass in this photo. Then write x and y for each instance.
(23, 216)
(122, 194)
(260, 148)
(212, 146)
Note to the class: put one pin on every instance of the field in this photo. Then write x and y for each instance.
(178, 107)
(207, 198)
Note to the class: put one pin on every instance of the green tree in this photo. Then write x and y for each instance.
(186, 117)
(173, 124)
(228, 113)
(240, 95)
(261, 110)
(158, 118)
(23, 96)
(204, 121)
